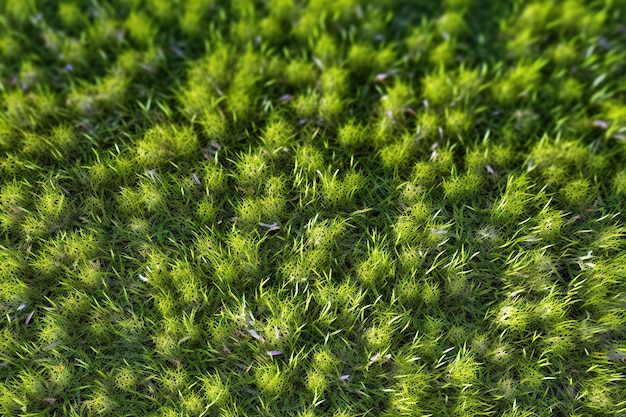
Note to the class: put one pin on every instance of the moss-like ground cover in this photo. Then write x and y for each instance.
(312, 208)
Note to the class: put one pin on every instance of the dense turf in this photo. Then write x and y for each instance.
(312, 208)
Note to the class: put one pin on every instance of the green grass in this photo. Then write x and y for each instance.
(312, 208)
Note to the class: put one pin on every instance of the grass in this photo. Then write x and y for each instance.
(312, 208)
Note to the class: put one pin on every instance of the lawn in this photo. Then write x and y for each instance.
(312, 208)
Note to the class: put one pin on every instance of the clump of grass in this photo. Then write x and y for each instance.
(354, 135)
(166, 143)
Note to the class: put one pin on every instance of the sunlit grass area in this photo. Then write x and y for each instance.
(312, 208)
